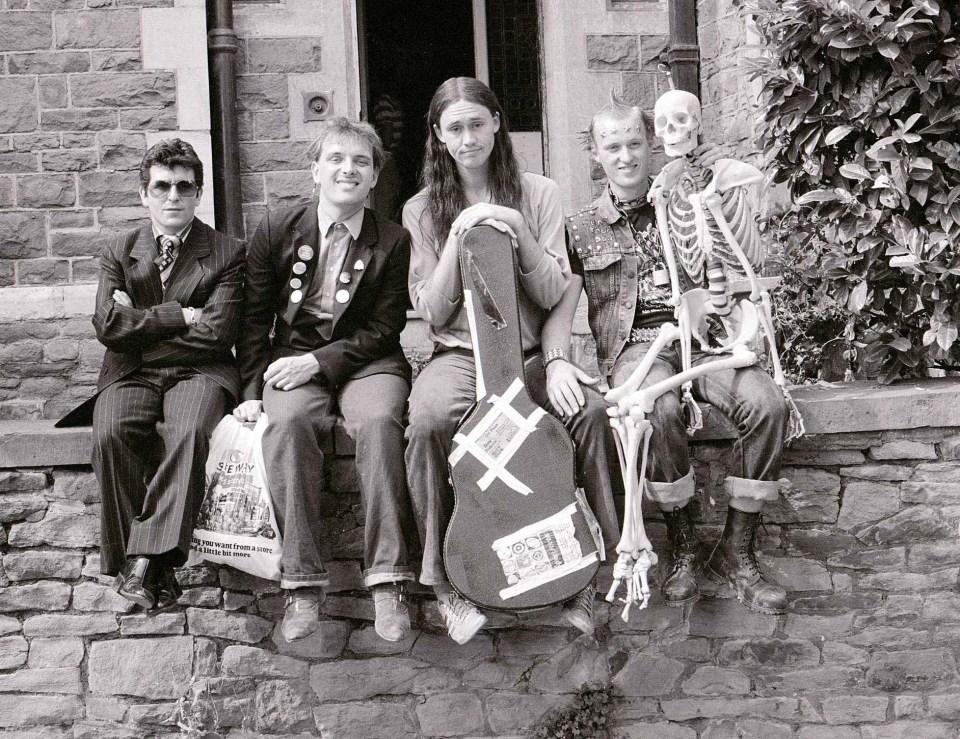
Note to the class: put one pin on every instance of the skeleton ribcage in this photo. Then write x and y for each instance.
(683, 231)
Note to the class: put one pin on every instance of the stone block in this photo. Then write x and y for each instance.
(820, 543)
(20, 711)
(451, 714)
(78, 119)
(72, 219)
(98, 29)
(804, 682)
(109, 188)
(284, 706)
(116, 60)
(124, 90)
(287, 188)
(514, 712)
(149, 119)
(56, 653)
(156, 623)
(53, 92)
(659, 730)
(101, 730)
(914, 524)
(13, 652)
(366, 642)
(250, 662)
(875, 560)
(69, 625)
(15, 481)
(91, 596)
(716, 681)
(911, 669)
(265, 157)
(65, 524)
(931, 493)
(262, 92)
(369, 720)
(942, 608)
(648, 675)
(780, 653)
(363, 679)
(888, 472)
(838, 653)
(641, 88)
(20, 31)
(17, 163)
(746, 729)
(944, 706)
(926, 557)
(823, 458)
(46, 191)
(9, 625)
(201, 597)
(867, 501)
(792, 709)
(46, 62)
(232, 579)
(284, 55)
(19, 112)
(236, 601)
(716, 618)
(607, 53)
(271, 125)
(903, 449)
(909, 581)
(69, 160)
(40, 596)
(828, 732)
(18, 506)
(36, 565)
(35, 141)
(120, 150)
(242, 627)
(813, 495)
(44, 272)
(909, 730)
(581, 662)
(22, 235)
(148, 668)
(794, 573)
(64, 680)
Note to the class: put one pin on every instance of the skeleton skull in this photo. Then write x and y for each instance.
(676, 118)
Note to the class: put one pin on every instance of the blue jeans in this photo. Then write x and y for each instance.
(748, 396)
(442, 394)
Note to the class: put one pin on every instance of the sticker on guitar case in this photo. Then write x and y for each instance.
(497, 437)
(541, 553)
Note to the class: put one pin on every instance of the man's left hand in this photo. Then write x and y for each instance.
(288, 373)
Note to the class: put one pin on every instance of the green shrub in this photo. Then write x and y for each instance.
(586, 716)
(861, 120)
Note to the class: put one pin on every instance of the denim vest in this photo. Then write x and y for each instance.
(602, 238)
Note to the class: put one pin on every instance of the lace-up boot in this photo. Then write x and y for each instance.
(680, 585)
(733, 561)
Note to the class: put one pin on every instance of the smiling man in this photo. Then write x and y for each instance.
(168, 308)
(328, 278)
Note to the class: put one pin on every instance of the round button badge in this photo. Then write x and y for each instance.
(295, 283)
(342, 296)
(296, 296)
(299, 268)
(305, 253)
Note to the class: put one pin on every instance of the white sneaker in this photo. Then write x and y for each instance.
(579, 610)
(463, 619)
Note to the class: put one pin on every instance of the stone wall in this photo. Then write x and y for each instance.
(865, 540)
(86, 86)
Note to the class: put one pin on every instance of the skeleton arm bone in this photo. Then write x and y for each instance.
(668, 334)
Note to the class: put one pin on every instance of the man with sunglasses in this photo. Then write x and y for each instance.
(168, 307)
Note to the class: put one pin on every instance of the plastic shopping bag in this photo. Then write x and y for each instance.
(236, 524)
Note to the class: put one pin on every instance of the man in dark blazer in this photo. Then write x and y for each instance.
(168, 308)
(328, 277)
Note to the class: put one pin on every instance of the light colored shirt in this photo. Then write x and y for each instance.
(542, 287)
(333, 252)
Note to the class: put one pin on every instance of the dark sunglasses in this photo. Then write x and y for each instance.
(161, 189)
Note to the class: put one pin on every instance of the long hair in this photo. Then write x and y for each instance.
(440, 177)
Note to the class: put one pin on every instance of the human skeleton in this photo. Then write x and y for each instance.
(706, 225)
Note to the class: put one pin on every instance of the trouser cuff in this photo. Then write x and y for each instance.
(292, 582)
(670, 495)
(750, 495)
(382, 575)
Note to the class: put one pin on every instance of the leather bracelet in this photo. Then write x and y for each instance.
(553, 355)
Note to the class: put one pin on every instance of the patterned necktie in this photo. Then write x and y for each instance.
(168, 251)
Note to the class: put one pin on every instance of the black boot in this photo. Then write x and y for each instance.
(733, 561)
(680, 586)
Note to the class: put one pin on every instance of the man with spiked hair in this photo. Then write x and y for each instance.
(324, 304)
(617, 258)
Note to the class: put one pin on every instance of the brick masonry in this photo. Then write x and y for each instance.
(865, 539)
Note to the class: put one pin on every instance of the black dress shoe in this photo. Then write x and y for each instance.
(133, 583)
(166, 587)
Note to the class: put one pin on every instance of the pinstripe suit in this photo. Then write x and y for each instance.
(162, 387)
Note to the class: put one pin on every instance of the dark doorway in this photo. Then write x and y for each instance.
(409, 47)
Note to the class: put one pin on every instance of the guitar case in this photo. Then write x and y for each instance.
(521, 535)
